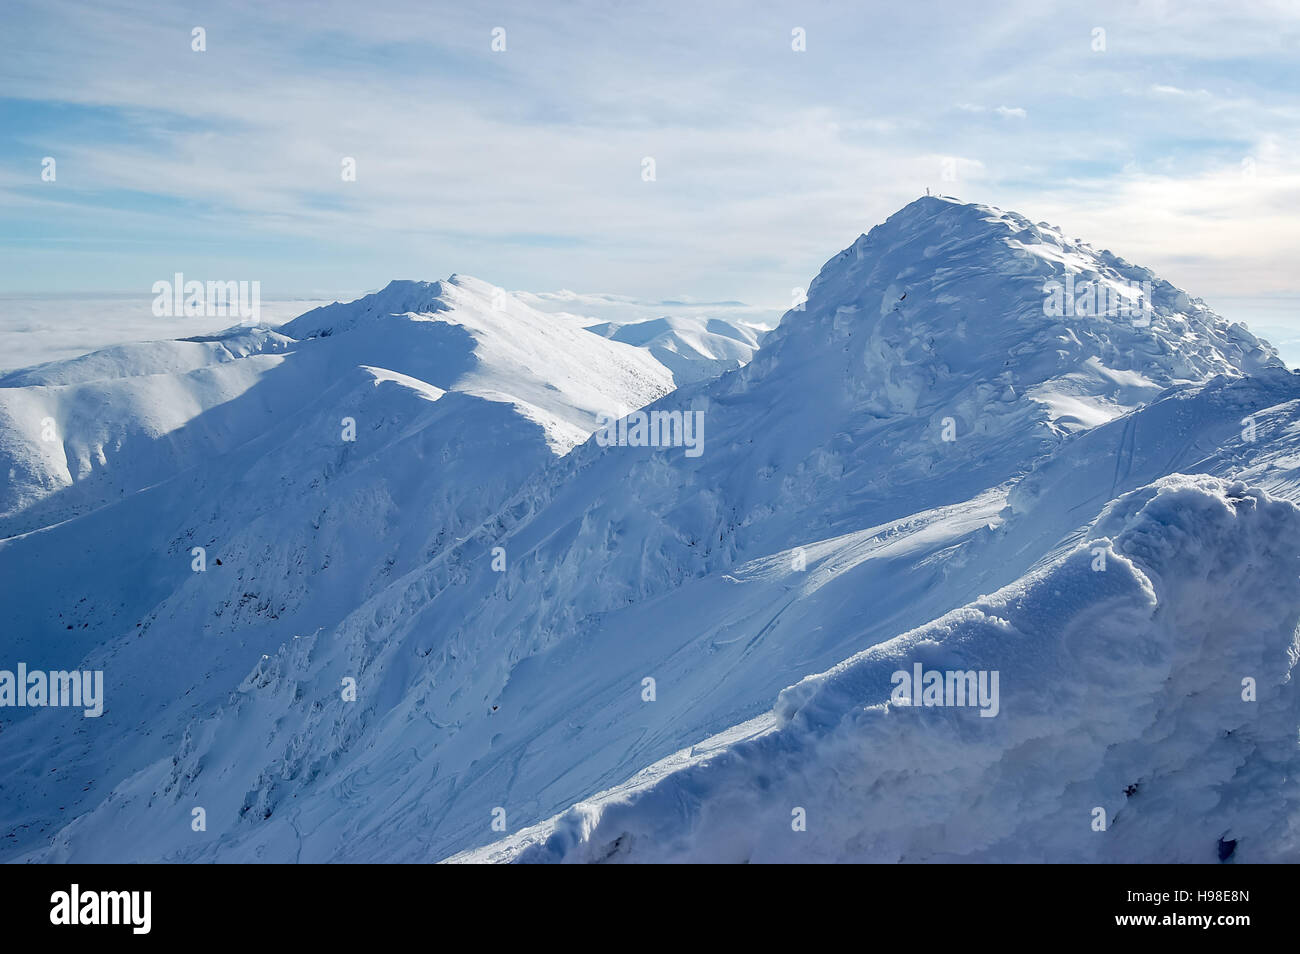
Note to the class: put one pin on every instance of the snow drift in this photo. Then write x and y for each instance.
(1124, 733)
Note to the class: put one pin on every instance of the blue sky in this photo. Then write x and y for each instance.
(1176, 145)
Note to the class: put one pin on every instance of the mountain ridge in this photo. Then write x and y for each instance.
(827, 514)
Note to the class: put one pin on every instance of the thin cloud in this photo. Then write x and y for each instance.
(526, 167)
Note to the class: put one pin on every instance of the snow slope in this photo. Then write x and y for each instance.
(829, 512)
(239, 445)
(1120, 690)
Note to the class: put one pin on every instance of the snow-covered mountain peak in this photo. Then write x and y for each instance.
(948, 303)
(173, 404)
(398, 297)
(468, 335)
(402, 298)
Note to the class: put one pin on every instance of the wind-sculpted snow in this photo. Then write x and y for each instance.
(1123, 733)
(920, 433)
